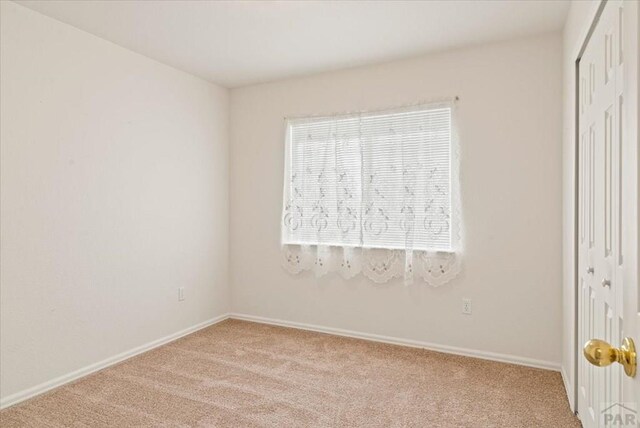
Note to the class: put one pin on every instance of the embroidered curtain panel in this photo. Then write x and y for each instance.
(375, 193)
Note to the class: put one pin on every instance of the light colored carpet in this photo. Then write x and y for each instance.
(241, 374)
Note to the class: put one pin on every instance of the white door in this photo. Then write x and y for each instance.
(608, 298)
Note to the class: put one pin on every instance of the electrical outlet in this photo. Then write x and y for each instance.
(466, 306)
(181, 294)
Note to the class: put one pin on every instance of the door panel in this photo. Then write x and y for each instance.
(608, 302)
(600, 309)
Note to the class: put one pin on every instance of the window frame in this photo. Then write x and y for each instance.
(453, 182)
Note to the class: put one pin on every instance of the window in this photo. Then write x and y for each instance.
(375, 180)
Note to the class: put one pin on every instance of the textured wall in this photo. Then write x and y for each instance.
(114, 194)
(510, 112)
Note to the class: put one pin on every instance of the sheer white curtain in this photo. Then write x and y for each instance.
(374, 193)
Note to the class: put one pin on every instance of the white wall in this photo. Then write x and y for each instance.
(114, 193)
(510, 114)
(576, 28)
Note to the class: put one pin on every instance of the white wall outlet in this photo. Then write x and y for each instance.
(181, 294)
(466, 306)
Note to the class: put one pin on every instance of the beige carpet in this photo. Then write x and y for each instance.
(241, 374)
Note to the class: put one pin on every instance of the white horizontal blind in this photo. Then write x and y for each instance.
(377, 180)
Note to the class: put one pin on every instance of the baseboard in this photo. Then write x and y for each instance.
(503, 358)
(70, 377)
(568, 389)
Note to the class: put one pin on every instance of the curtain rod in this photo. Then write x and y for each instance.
(346, 113)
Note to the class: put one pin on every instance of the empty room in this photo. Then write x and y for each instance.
(316, 213)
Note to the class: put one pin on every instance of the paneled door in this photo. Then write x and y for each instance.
(608, 300)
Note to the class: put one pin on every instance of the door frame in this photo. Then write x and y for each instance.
(577, 347)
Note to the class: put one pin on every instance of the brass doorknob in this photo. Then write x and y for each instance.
(601, 354)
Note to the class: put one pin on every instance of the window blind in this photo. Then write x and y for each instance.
(374, 180)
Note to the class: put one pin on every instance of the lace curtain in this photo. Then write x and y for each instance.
(375, 194)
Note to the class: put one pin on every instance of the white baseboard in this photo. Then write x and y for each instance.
(503, 358)
(568, 389)
(70, 377)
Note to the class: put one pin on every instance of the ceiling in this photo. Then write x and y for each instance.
(237, 43)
